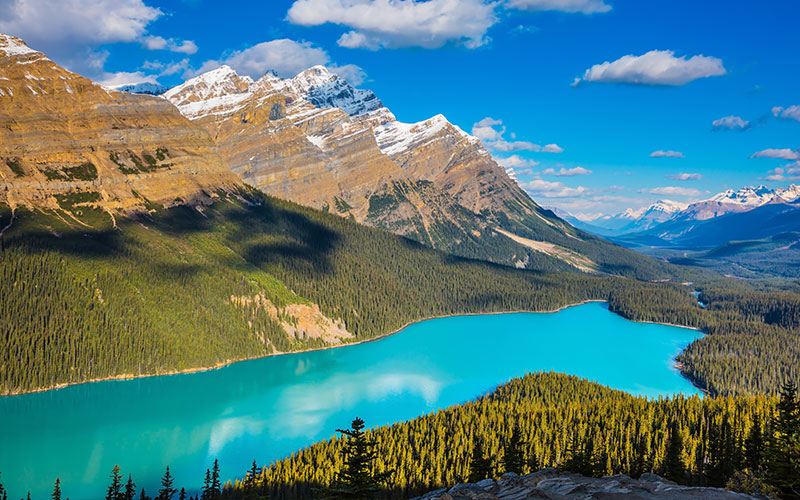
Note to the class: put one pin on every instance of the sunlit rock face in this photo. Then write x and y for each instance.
(62, 134)
(316, 140)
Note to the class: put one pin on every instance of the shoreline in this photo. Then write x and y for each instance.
(217, 366)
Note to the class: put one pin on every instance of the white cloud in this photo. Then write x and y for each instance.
(685, 177)
(161, 43)
(286, 57)
(666, 154)
(672, 191)
(731, 122)
(571, 6)
(566, 172)
(485, 129)
(783, 154)
(547, 189)
(657, 67)
(350, 72)
(45, 24)
(126, 78)
(400, 23)
(517, 162)
(790, 172)
(491, 132)
(791, 113)
(552, 148)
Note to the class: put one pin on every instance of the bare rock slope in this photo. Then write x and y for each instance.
(63, 135)
(555, 485)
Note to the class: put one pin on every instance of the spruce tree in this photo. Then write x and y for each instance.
(480, 466)
(168, 489)
(115, 488)
(514, 452)
(674, 467)
(206, 491)
(216, 484)
(783, 449)
(3, 493)
(754, 446)
(143, 495)
(56, 490)
(130, 489)
(182, 494)
(357, 480)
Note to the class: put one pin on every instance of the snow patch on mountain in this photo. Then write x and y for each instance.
(13, 46)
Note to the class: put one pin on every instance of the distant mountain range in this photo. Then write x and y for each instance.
(142, 88)
(747, 232)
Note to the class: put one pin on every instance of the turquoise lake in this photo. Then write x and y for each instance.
(267, 408)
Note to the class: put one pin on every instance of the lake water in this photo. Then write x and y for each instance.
(267, 408)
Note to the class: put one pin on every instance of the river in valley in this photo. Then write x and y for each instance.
(267, 408)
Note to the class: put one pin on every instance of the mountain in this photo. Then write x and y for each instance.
(143, 88)
(316, 140)
(632, 220)
(66, 141)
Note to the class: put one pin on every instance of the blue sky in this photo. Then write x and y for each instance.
(515, 61)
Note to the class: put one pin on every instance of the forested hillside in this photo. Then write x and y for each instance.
(86, 297)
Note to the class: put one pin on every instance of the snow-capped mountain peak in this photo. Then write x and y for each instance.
(746, 196)
(790, 194)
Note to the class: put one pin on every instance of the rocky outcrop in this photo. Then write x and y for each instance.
(555, 485)
(62, 135)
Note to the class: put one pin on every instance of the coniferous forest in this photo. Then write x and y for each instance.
(85, 297)
(749, 444)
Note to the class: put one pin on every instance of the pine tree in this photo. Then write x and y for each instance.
(115, 489)
(130, 489)
(783, 448)
(357, 480)
(182, 494)
(56, 490)
(3, 493)
(674, 467)
(514, 452)
(480, 466)
(167, 490)
(143, 495)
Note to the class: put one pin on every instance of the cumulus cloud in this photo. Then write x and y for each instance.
(126, 78)
(400, 23)
(517, 162)
(161, 43)
(731, 122)
(666, 154)
(685, 177)
(491, 131)
(789, 172)
(566, 172)
(547, 189)
(783, 154)
(791, 113)
(657, 67)
(672, 191)
(571, 6)
(285, 57)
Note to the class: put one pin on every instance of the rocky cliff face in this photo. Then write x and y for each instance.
(555, 485)
(63, 136)
(316, 140)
